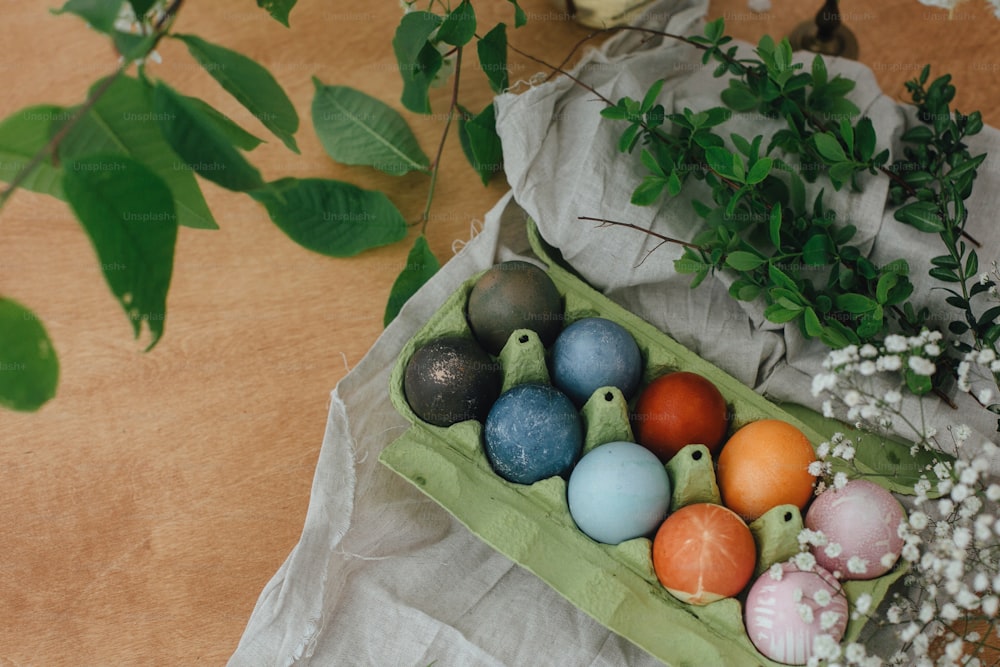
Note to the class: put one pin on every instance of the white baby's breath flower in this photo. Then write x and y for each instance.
(805, 561)
(888, 559)
(867, 368)
(840, 480)
(863, 603)
(828, 619)
(993, 492)
(826, 647)
(895, 343)
(922, 366)
(857, 565)
(984, 396)
(805, 613)
(822, 597)
(990, 605)
(918, 520)
(892, 397)
(890, 362)
(894, 614)
(776, 572)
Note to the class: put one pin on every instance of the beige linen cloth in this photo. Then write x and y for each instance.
(384, 577)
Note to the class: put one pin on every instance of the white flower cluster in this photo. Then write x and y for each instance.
(853, 374)
(950, 542)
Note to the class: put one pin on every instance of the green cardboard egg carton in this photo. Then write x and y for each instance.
(531, 524)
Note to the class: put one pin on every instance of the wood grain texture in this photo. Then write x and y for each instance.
(146, 506)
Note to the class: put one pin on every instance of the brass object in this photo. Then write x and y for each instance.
(826, 34)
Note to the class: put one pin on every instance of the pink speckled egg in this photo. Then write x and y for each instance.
(783, 616)
(861, 525)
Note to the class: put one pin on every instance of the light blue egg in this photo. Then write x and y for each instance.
(619, 491)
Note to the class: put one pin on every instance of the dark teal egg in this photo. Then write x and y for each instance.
(514, 295)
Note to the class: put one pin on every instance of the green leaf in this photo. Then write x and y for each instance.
(918, 134)
(779, 314)
(251, 84)
(817, 251)
(720, 160)
(419, 61)
(744, 290)
(198, 141)
(492, 51)
(811, 323)
(918, 384)
(774, 226)
(759, 171)
(885, 283)
(278, 9)
(358, 129)
(140, 7)
(482, 143)
(847, 132)
(971, 264)
(22, 135)
(128, 213)
(29, 368)
(650, 98)
(332, 217)
(819, 71)
(421, 265)
(673, 184)
(866, 139)
(629, 138)
(100, 14)
(459, 26)
(742, 260)
(123, 122)
(922, 215)
(520, 18)
(855, 303)
(236, 134)
(738, 97)
(649, 190)
(829, 147)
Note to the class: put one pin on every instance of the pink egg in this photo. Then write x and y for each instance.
(861, 525)
(784, 616)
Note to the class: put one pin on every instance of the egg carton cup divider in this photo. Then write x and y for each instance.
(531, 524)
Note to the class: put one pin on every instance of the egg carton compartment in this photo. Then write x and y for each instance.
(531, 524)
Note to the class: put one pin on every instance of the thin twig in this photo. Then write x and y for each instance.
(436, 167)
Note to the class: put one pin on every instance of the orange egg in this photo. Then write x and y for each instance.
(703, 553)
(765, 464)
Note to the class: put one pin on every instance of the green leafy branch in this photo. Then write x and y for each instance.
(760, 228)
(126, 161)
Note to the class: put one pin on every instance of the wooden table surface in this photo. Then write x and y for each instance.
(144, 508)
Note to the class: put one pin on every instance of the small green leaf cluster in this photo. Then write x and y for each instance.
(759, 226)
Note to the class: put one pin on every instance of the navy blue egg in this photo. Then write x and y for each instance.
(533, 431)
(592, 353)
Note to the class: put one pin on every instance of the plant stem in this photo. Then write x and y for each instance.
(436, 167)
(663, 239)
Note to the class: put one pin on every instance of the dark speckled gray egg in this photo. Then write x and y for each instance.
(451, 379)
(514, 295)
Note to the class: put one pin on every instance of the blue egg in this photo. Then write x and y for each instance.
(592, 353)
(533, 431)
(619, 491)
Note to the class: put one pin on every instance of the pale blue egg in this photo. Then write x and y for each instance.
(619, 491)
